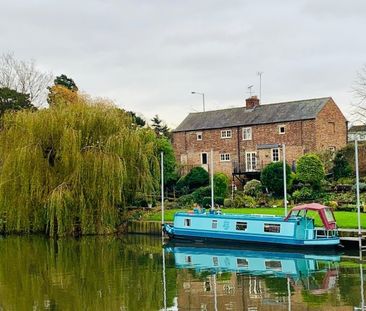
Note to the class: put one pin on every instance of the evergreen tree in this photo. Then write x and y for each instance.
(69, 83)
(11, 100)
(159, 127)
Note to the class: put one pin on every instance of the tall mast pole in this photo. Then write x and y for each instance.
(284, 178)
(212, 181)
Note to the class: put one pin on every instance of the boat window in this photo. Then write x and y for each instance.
(242, 263)
(275, 228)
(214, 224)
(188, 259)
(329, 215)
(241, 225)
(273, 265)
(215, 261)
(187, 222)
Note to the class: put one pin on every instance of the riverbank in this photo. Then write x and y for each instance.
(347, 220)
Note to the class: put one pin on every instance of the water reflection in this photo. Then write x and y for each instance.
(110, 273)
(259, 279)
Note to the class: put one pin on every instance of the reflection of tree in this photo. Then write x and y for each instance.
(90, 273)
(349, 284)
(277, 285)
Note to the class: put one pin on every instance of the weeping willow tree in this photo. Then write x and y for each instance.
(72, 168)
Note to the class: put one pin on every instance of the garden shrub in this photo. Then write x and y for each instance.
(273, 202)
(221, 185)
(310, 170)
(304, 194)
(228, 202)
(206, 202)
(185, 200)
(362, 187)
(243, 200)
(272, 177)
(200, 193)
(219, 201)
(332, 204)
(197, 177)
(345, 181)
(341, 167)
(253, 188)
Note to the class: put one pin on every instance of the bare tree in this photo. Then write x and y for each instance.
(24, 77)
(359, 90)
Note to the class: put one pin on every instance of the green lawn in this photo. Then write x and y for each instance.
(344, 219)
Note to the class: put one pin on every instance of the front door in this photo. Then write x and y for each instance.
(251, 161)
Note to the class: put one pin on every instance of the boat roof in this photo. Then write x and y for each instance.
(233, 216)
(310, 206)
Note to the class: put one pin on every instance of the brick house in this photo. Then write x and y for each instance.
(245, 139)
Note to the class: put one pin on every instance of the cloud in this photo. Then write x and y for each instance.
(149, 55)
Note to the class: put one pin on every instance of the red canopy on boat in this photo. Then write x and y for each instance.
(326, 214)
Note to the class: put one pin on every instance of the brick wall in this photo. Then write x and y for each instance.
(331, 127)
(327, 130)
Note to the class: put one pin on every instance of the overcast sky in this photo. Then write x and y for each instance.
(148, 55)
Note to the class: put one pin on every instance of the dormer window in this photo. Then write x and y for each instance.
(199, 135)
(226, 134)
(281, 129)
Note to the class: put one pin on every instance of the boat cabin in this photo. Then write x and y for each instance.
(325, 213)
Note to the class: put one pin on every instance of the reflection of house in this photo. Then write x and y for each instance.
(358, 131)
(247, 138)
(235, 291)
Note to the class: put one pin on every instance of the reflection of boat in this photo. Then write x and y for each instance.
(253, 261)
(297, 229)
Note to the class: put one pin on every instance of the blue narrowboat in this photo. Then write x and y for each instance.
(296, 229)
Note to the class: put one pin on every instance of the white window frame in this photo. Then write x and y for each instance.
(226, 134)
(199, 135)
(225, 157)
(284, 129)
(278, 155)
(247, 133)
(249, 168)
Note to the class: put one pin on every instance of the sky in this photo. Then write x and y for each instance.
(149, 55)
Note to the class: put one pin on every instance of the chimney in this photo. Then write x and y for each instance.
(251, 102)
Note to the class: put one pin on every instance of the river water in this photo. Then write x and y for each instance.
(135, 273)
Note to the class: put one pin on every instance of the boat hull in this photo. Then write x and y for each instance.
(201, 236)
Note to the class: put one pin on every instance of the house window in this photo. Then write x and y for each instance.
(281, 129)
(242, 263)
(214, 224)
(199, 135)
(242, 226)
(204, 158)
(251, 161)
(273, 228)
(187, 222)
(275, 155)
(226, 134)
(225, 157)
(247, 133)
